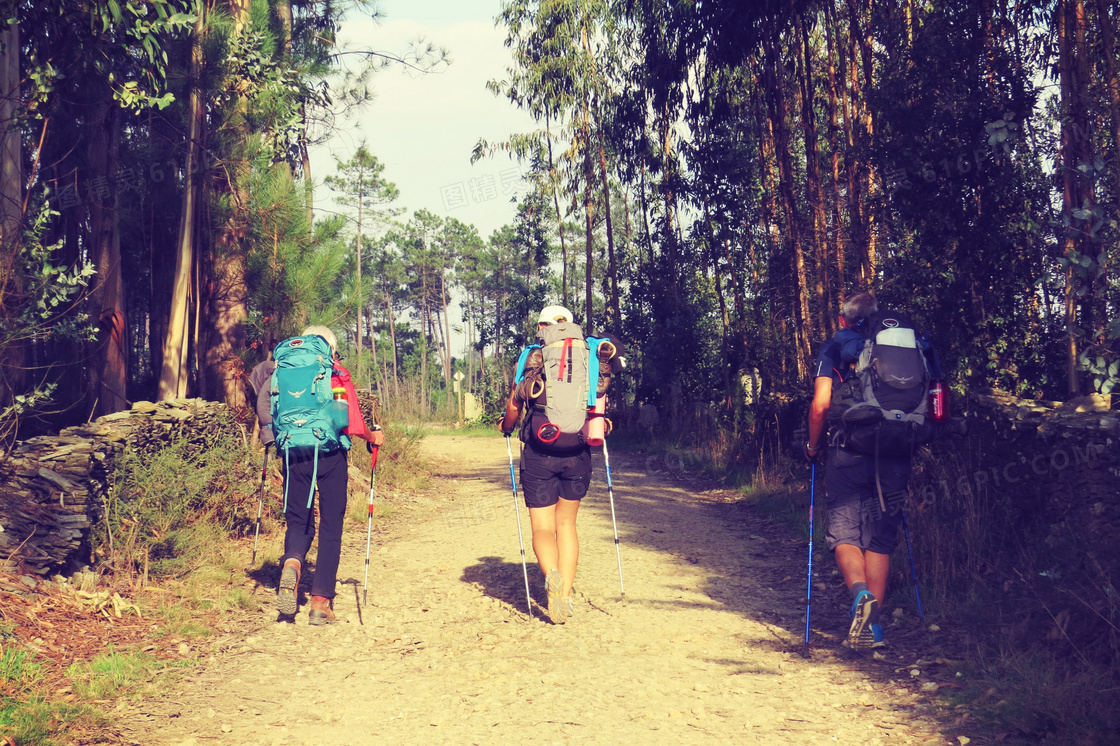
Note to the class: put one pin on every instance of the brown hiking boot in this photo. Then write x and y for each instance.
(287, 597)
(321, 611)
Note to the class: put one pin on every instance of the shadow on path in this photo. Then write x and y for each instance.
(504, 581)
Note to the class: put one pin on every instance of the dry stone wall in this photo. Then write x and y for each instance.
(1025, 511)
(52, 488)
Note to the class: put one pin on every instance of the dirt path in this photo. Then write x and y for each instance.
(704, 647)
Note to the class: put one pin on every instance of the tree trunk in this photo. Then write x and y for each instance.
(393, 336)
(814, 192)
(13, 376)
(779, 119)
(358, 279)
(839, 236)
(552, 178)
(173, 376)
(227, 290)
(612, 267)
(308, 183)
(613, 314)
(108, 372)
(1077, 190)
(1109, 52)
(1108, 43)
(588, 207)
(862, 60)
(850, 93)
(446, 327)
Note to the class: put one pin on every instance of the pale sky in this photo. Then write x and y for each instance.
(424, 127)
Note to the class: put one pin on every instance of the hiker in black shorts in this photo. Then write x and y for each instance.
(553, 483)
(860, 534)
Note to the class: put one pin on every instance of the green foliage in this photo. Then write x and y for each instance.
(117, 674)
(26, 715)
(400, 468)
(40, 300)
(18, 668)
(40, 721)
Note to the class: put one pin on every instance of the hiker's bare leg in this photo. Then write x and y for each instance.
(877, 567)
(543, 522)
(849, 557)
(858, 566)
(567, 541)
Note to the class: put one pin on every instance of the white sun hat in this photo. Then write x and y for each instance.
(554, 314)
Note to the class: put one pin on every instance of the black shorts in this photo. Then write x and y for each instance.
(854, 514)
(546, 478)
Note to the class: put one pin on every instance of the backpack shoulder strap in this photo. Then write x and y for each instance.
(519, 375)
(593, 344)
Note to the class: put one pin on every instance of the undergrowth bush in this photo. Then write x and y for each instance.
(399, 467)
(115, 674)
(168, 506)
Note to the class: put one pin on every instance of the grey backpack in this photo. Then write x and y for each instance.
(555, 376)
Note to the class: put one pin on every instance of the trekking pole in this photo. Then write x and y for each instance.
(369, 521)
(260, 506)
(610, 493)
(913, 568)
(809, 584)
(520, 537)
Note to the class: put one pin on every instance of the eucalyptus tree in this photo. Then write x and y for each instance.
(560, 51)
(455, 241)
(91, 71)
(424, 267)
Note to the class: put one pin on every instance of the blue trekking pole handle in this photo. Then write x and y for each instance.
(512, 477)
(809, 583)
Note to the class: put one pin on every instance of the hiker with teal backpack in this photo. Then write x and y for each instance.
(308, 409)
(870, 411)
(559, 385)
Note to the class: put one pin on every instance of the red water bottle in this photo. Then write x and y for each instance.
(938, 402)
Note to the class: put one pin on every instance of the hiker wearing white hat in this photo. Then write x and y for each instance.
(554, 315)
(555, 470)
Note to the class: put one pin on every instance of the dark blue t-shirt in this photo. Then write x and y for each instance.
(838, 355)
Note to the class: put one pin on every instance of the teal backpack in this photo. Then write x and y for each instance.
(305, 415)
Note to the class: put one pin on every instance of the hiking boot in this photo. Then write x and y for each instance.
(321, 611)
(864, 608)
(554, 583)
(287, 601)
(877, 640)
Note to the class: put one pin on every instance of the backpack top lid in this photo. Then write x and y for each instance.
(888, 326)
(312, 346)
(553, 333)
(304, 412)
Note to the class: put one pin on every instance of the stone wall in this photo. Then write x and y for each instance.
(1025, 512)
(52, 488)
